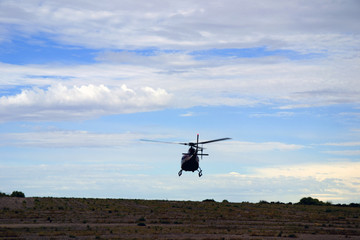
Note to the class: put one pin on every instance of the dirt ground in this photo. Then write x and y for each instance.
(83, 218)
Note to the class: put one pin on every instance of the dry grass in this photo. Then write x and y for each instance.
(74, 218)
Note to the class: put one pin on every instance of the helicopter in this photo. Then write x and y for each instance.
(190, 160)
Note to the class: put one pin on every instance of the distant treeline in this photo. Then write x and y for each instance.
(303, 201)
(313, 201)
(13, 194)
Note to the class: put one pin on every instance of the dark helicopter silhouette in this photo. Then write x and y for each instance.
(190, 160)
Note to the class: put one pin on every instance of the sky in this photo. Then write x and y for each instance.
(83, 81)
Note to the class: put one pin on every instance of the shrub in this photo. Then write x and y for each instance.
(311, 201)
(17, 194)
(354, 205)
(3, 194)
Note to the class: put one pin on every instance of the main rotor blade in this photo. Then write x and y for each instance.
(215, 140)
(156, 141)
(192, 144)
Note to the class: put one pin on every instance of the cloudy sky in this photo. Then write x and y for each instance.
(82, 81)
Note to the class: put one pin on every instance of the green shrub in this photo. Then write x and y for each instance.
(3, 194)
(17, 194)
(311, 201)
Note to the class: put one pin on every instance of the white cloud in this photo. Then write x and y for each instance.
(188, 114)
(330, 181)
(320, 171)
(344, 152)
(343, 144)
(304, 26)
(234, 83)
(68, 139)
(157, 59)
(346, 148)
(277, 114)
(337, 182)
(61, 102)
(239, 146)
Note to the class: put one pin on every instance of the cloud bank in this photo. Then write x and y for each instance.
(296, 55)
(288, 184)
(304, 26)
(109, 88)
(61, 102)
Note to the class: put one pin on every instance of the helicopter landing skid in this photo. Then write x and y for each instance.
(200, 172)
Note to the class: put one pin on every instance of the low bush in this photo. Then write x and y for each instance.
(17, 194)
(311, 201)
(3, 194)
(13, 194)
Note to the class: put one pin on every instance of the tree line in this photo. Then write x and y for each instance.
(303, 201)
(13, 194)
(314, 202)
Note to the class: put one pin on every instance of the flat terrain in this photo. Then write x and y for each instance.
(83, 218)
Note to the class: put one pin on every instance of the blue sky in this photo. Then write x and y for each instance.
(82, 82)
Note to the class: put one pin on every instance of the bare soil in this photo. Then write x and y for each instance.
(83, 218)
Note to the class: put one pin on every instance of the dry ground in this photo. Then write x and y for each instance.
(75, 218)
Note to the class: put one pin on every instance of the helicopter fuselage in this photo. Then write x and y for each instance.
(190, 162)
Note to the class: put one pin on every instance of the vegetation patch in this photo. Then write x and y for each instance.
(84, 218)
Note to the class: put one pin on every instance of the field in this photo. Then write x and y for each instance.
(83, 218)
